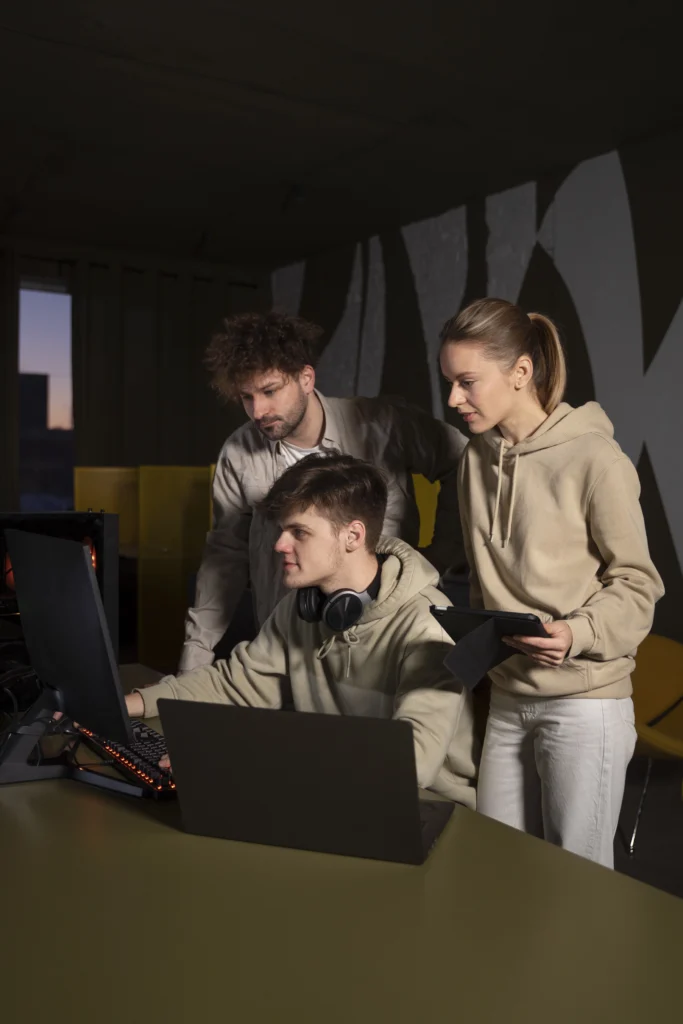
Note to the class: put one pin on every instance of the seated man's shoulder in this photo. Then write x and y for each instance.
(417, 622)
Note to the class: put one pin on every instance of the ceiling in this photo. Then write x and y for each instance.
(255, 133)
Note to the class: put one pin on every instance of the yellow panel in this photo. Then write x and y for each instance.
(172, 533)
(113, 489)
(426, 496)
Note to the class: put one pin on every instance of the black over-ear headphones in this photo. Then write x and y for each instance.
(339, 611)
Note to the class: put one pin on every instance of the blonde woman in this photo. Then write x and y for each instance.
(552, 523)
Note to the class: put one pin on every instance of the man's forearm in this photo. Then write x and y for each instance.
(135, 705)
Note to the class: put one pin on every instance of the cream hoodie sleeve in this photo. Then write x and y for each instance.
(618, 617)
(426, 698)
(251, 677)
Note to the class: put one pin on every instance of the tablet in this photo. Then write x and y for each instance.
(478, 635)
(459, 621)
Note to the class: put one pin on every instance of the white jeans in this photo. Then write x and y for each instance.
(556, 769)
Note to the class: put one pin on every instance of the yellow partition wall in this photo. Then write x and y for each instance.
(426, 496)
(114, 489)
(173, 527)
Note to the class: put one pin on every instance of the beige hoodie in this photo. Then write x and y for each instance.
(389, 665)
(553, 525)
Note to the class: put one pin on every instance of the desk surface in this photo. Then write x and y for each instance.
(110, 913)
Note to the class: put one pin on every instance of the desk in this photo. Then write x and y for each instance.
(111, 913)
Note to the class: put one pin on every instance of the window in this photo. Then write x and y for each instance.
(46, 448)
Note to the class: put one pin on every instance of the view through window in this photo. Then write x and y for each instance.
(46, 448)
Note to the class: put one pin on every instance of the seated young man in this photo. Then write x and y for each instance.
(355, 635)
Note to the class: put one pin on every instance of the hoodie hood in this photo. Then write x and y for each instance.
(563, 425)
(404, 574)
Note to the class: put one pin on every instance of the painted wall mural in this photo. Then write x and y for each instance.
(593, 248)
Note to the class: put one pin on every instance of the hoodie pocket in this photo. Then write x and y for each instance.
(522, 675)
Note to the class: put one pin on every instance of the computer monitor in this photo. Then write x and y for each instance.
(61, 614)
(97, 531)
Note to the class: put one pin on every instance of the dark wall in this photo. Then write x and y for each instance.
(596, 246)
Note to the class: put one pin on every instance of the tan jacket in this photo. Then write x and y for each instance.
(390, 665)
(397, 438)
(553, 526)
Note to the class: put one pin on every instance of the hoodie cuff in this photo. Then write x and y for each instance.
(151, 694)
(584, 636)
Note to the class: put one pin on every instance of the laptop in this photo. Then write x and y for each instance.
(329, 783)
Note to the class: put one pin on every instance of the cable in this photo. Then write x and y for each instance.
(14, 721)
(663, 714)
(13, 698)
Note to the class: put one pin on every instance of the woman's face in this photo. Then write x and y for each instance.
(482, 391)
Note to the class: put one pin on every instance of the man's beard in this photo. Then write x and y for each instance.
(281, 428)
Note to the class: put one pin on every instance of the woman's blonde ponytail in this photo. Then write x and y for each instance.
(550, 367)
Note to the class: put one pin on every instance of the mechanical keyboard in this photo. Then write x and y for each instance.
(139, 762)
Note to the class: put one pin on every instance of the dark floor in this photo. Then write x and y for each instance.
(658, 858)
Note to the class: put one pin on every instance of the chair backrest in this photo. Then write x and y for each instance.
(657, 685)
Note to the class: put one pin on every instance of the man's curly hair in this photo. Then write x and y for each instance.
(253, 343)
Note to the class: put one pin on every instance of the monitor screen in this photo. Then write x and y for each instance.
(65, 630)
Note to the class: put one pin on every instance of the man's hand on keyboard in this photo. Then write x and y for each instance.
(135, 707)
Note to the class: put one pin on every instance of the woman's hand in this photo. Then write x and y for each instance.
(551, 651)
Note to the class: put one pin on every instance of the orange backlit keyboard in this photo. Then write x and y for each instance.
(138, 762)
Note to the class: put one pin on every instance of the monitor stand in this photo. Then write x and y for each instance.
(23, 740)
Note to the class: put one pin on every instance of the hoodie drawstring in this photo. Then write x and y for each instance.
(513, 493)
(501, 452)
(499, 489)
(349, 637)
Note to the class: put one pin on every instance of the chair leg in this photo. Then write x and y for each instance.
(632, 844)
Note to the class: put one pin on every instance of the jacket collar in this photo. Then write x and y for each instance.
(331, 433)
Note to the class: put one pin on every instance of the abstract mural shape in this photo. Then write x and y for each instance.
(589, 234)
(373, 334)
(338, 365)
(587, 231)
(437, 250)
(511, 222)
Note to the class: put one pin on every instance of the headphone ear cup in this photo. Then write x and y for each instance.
(309, 601)
(342, 610)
